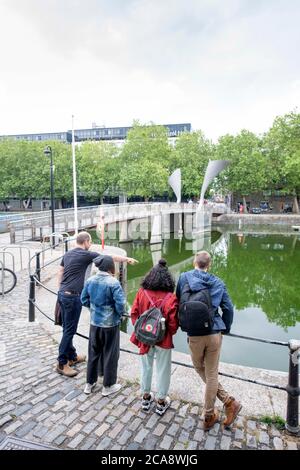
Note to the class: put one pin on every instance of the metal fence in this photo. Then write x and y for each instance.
(292, 388)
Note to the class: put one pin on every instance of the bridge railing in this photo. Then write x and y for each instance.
(292, 388)
(36, 226)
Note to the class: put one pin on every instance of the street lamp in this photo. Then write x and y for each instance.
(48, 153)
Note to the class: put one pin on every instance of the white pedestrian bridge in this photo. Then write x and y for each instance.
(162, 217)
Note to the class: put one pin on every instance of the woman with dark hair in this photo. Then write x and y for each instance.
(156, 289)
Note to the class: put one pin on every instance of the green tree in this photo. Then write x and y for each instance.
(282, 148)
(25, 171)
(6, 167)
(192, 153)
(247, 172)
(144, 178)
(63, 173)
(98, 168)
(144, 161)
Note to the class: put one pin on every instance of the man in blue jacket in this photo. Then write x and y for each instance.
(205, 348)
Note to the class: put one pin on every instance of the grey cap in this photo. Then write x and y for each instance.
(104, 263)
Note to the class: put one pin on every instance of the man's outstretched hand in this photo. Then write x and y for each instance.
(132, 261)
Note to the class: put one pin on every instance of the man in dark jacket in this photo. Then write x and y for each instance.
(205, 348)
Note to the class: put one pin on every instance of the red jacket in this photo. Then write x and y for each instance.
(169, 311)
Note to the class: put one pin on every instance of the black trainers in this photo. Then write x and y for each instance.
(146, 402)
(161, 408)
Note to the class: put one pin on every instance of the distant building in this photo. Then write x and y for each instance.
(116, 134)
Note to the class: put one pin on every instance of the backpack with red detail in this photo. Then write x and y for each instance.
(150, 327)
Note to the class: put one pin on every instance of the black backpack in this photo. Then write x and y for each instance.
(196, 312)
(150, 327)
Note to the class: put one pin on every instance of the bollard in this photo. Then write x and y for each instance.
(293, 390)
(66, 245)
(31, 300)
(38, 266)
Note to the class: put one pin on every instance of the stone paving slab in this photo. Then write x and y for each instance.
(52, 410)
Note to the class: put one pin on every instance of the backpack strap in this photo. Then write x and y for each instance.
(208, 298)
(165, 299)
(153, 303)
(149, 298)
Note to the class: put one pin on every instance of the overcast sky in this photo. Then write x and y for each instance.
(221, 65)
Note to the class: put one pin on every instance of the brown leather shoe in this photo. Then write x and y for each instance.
(79, 358)
(66, 370)
(232, 409)
(210, 421)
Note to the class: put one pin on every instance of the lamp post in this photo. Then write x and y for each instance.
(74, 179)
(48, 153)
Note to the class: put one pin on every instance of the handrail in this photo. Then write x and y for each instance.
(190, 366)
(36, 254)
(11, 247)
(57, 212)
(2, 278)
(251, 338)
(4, 252)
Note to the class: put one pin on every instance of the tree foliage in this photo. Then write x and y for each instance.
(282, 148)
(192, 153)
(246, 173)
(142, 165)
(145, 158)
(97, 168)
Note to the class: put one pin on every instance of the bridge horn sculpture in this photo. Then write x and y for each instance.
(175, 182)
(161, 222)
(203, 218)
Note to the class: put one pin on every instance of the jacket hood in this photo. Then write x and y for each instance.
(199, 280)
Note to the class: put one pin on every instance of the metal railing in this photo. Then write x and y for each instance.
(292, 387)
(4, 253)
(33, 227)
(2, 277)
(21, 250)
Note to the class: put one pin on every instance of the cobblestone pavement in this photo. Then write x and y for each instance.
(37, 404)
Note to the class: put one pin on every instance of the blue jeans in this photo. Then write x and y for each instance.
(70, 311)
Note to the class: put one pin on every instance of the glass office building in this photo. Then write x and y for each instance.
(96, 133)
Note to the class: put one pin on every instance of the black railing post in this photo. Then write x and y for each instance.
(31, 300)
(293, 390)
(38, 266)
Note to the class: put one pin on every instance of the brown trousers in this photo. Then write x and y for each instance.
(205, 352)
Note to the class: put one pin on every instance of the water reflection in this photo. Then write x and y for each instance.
(263, 271)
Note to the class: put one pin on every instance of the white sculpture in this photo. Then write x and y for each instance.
(214, 167)
(175, 182)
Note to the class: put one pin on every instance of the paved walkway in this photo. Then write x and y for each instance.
(37, 404)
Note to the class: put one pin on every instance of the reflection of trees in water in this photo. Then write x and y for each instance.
(263, 271)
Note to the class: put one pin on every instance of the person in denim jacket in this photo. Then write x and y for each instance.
(105, 298)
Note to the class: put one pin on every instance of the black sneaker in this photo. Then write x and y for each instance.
(161, 408)
(146, 402)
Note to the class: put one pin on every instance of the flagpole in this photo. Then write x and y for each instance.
(74, 180)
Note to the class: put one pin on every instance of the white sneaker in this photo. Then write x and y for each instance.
(146, 403)
(110, 390)
(161, 408)
(89, 388)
